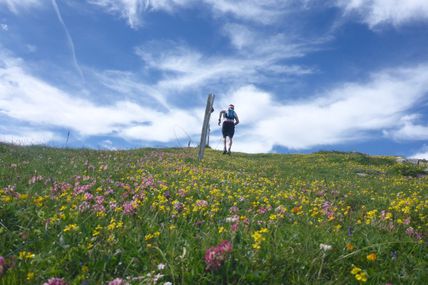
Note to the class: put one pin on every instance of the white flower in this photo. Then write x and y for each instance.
(325, 247)
(167, 283)
(161, 266)
(233, 219)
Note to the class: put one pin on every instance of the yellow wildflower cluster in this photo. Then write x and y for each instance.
(359, 274)
(71, 228)
(259, 237)
(26, 255)
(151, 236)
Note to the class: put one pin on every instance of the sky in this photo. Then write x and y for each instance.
(304, 76)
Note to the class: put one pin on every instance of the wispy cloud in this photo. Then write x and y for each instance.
(131, 10)
(263, 12)
(4, 27)
(16, 5)
(53, 107)
(346, 113)
(184, 67)
(378, 12)
(69, 39)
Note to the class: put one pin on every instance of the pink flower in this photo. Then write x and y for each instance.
(99, 199)
(215, 256)
(410, 231)
(234, 209)
(55, 281)
(235, 227)
(2, 265)
(128, 208)
(201, 203)
(88, 196)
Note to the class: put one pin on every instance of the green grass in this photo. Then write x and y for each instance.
(92, 216)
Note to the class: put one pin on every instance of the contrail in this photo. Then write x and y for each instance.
(70, 40)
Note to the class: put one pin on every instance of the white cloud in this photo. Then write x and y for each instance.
(377, 12)
(16, 5)
(345, 113)
(27, 136)
(4, 27)
(128, 9)
(264, 12)
(26, 98)
(133, 10)
(183, 67)
(422, 154)
(409, 129)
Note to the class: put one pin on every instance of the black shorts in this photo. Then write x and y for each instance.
(228, 129)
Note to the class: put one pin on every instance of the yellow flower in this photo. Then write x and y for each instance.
(30, 276)
(372, 256)
(25, 255)
(355, 270)
(349, 246)
(71, 228)
(220, 230)
(362, 277)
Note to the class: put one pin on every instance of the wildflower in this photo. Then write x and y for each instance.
(161, 266)
(325, 247)
(372, 256)
(118, 281)
(349, 246)
(30, 276)
(2, 265)
(25, 255)
(259, 238)
(167, 283)
(362, 276)
(55, 281)
(410, 231)
(355, 270)
(234, 227)
(233, 219)
(71, 228)
(215, 256)
(359, 274)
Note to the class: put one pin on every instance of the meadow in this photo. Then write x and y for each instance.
(158, 216)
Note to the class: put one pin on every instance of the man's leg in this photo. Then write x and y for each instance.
(224, 142)
(230, 144)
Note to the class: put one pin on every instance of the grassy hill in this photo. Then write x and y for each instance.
(154, 216)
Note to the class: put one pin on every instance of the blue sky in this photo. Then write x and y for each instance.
(303, 75)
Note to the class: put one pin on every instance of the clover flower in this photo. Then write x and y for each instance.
(118, 281)
(325, 247)
(55, 281)
(215, 256)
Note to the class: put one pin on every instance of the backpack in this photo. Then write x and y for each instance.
(230, 114)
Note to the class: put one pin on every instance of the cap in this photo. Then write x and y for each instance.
(231, 106)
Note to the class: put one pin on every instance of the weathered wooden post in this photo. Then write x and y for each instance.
(208, 110)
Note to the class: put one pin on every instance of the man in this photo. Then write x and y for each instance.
(228, 129)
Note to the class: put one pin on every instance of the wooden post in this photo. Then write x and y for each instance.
(208, 110)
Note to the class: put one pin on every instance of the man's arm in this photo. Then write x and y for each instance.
(219, 116)
(236, 119)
